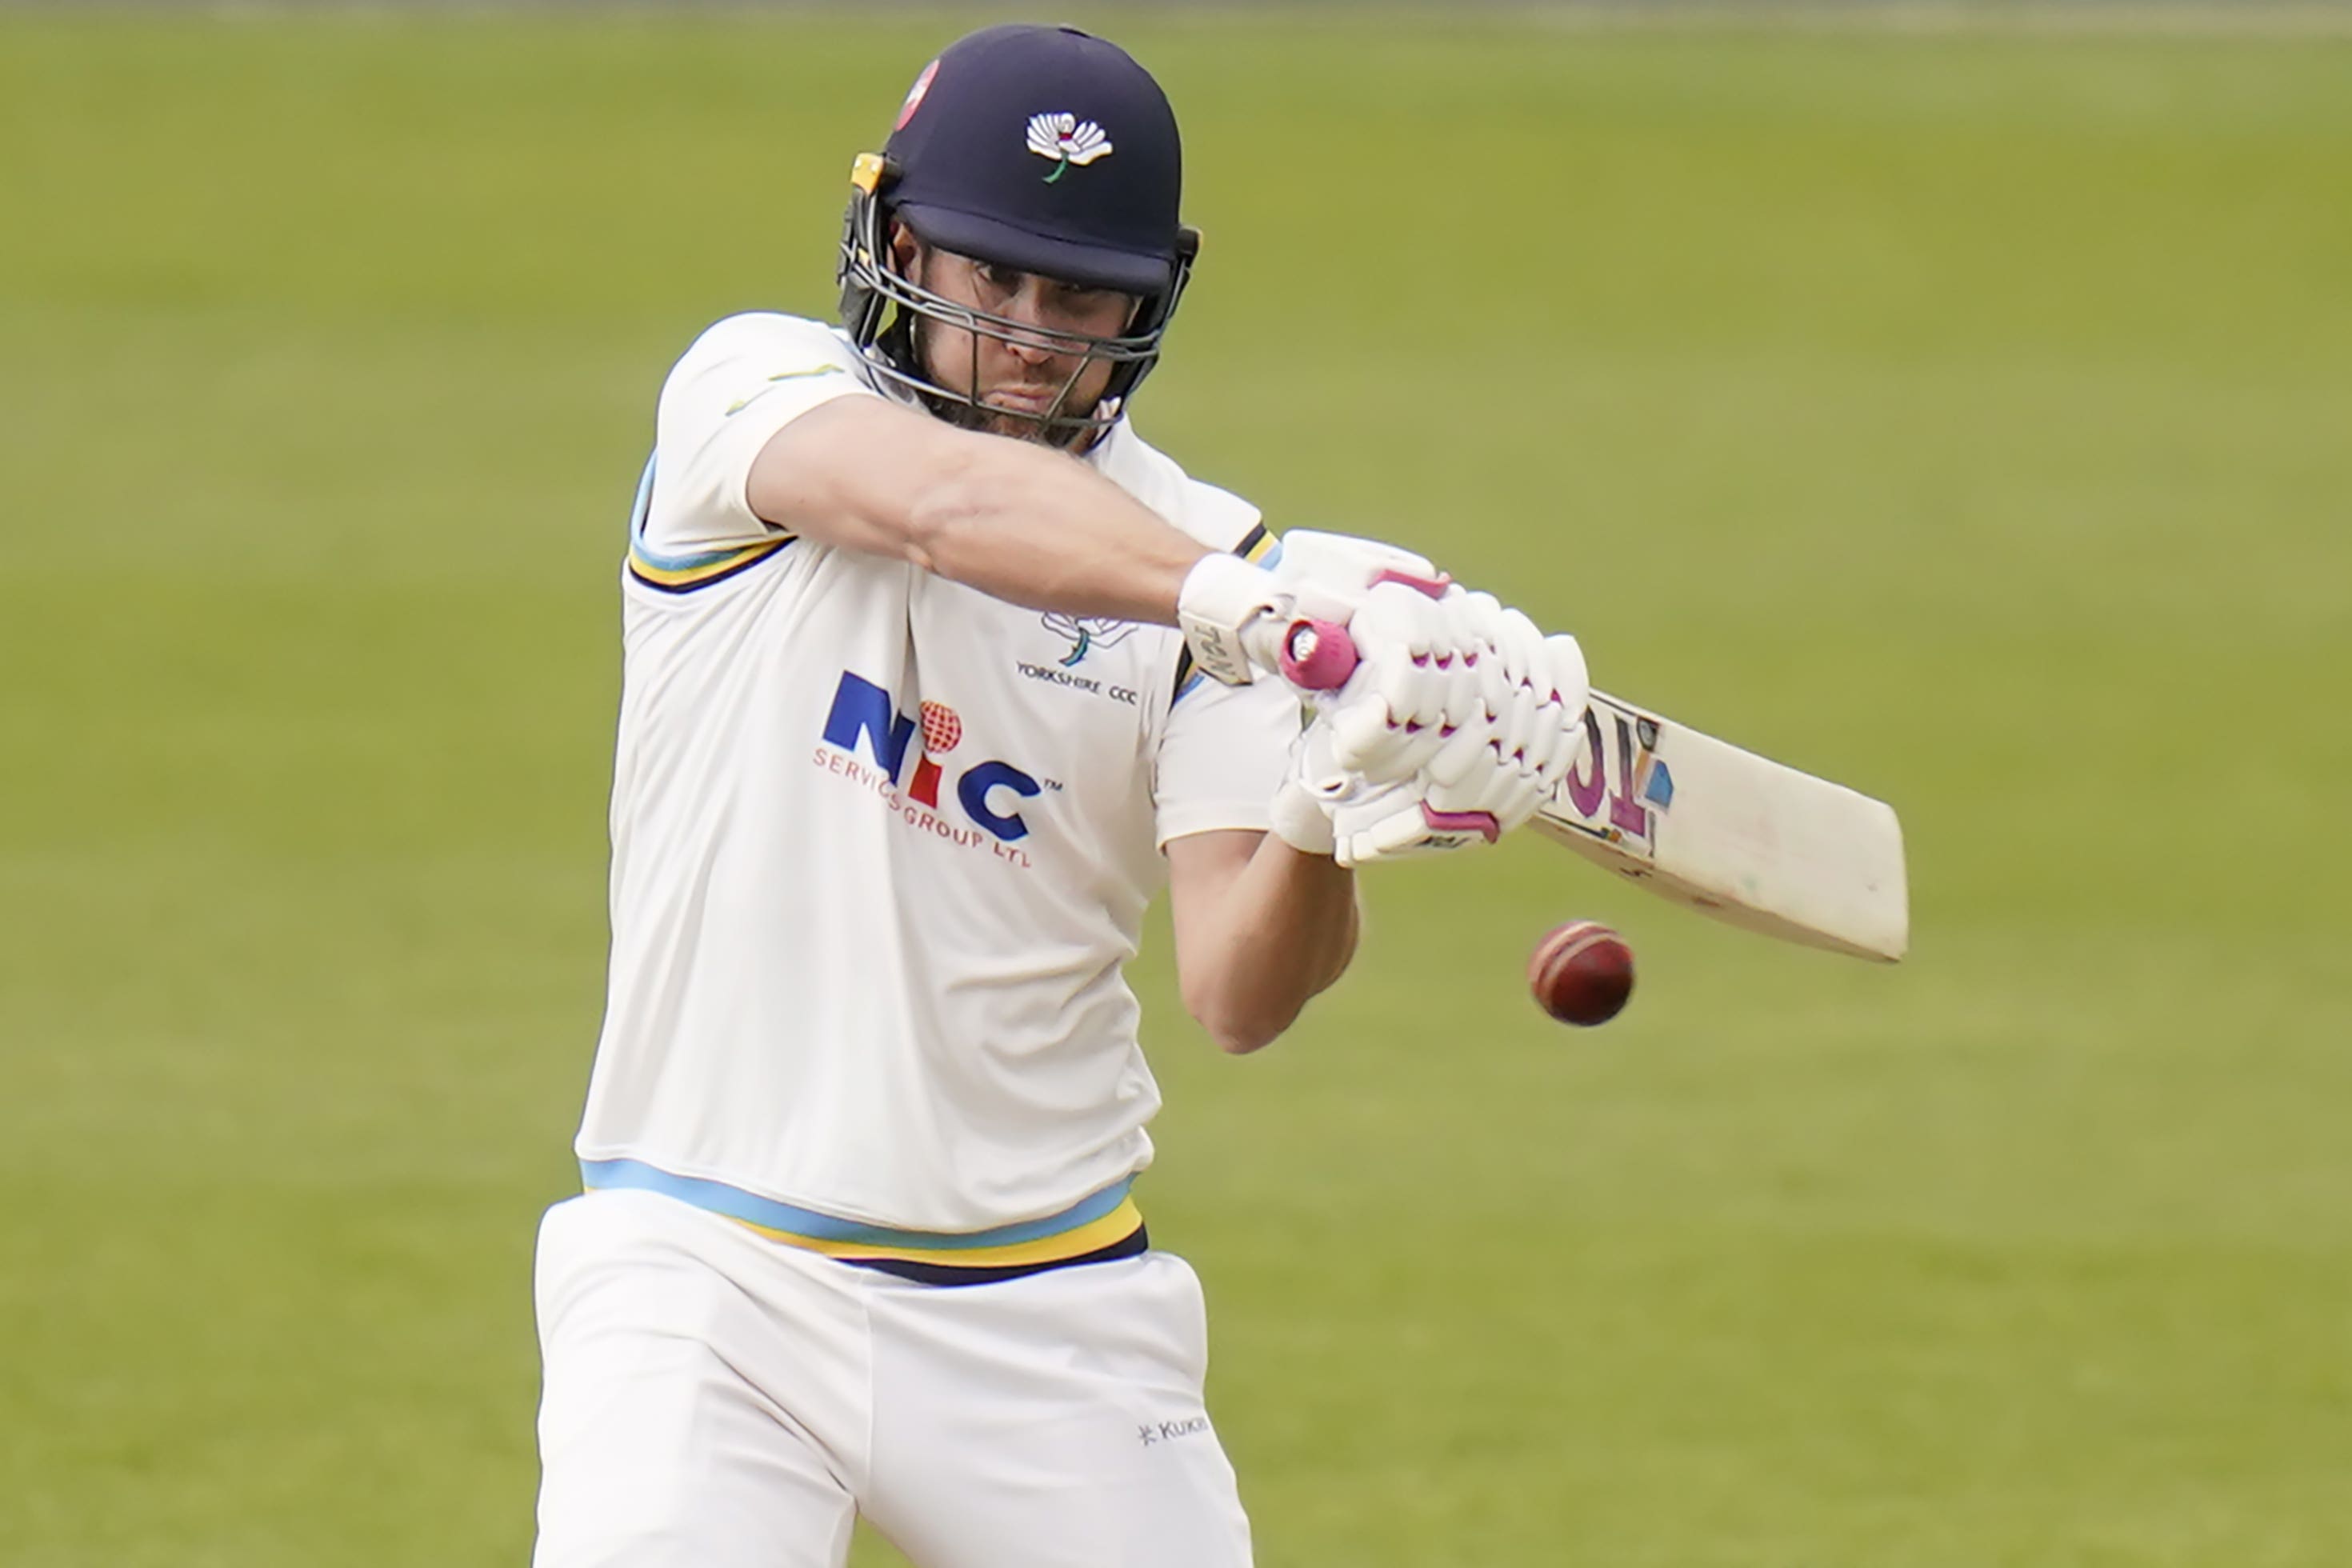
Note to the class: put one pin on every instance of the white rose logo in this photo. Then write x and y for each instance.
(1067, 140)
(1088, 633)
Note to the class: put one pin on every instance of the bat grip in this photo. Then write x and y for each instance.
(1316, 656)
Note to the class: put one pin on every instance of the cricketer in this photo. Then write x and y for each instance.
(934, 674)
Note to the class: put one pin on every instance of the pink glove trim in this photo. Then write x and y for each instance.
(1433, 586)
(1482, 823)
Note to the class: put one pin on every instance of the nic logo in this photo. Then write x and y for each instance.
(863, 712)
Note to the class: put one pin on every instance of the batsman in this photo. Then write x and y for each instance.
(934, 675)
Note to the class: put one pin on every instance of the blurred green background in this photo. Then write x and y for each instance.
(1959, 413)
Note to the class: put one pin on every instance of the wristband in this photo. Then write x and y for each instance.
(1222, 596)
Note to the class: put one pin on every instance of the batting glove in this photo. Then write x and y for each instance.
(1442, 679)
(1359, 823)
(1232, 612)
(1533, 692)
(1489, 774)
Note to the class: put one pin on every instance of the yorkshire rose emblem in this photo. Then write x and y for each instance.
(1088, 633)
(1067, 140)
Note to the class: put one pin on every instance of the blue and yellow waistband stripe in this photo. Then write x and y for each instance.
(1102, 1225)
(1068, 1247)
(677, 573)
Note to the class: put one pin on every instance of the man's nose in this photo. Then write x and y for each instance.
(1039, 341)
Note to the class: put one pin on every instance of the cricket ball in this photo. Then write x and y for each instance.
(1581, 973)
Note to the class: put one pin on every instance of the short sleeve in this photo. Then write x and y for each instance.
(1222, 756)
(743, 380)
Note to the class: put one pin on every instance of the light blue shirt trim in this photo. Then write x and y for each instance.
(661, 563)
(735, 1203)
(642, 508)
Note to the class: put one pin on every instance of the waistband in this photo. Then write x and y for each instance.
(1098, 1228)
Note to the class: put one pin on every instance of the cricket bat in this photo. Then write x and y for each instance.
(1693, 819)
(1749, 841)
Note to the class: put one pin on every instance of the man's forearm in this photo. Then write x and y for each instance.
(1018, 522)
(1040, 529)
(1284, 929)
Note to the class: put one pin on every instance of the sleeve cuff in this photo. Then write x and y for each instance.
(1214, 816)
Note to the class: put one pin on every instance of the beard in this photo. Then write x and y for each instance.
(1023, 428)
(955, 370)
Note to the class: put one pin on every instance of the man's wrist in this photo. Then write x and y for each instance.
(1222, 596)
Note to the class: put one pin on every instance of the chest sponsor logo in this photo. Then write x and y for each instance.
(864, 718)
(1087, 633)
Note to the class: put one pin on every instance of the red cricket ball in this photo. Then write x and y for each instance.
(1581, 973)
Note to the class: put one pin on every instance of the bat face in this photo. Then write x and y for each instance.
(1616, 794)
(1734, 836)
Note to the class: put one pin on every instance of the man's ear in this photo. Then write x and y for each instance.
(904, 247)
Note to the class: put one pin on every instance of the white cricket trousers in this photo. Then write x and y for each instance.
(714, 1399)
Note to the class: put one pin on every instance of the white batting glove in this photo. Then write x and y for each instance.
(1534, 690)
(1444, 679)
(1364, 823)
(1399, 822)
(1328, 574)
(1323, 809)
(1416, 684)
(1302, 805)
(1488, 777)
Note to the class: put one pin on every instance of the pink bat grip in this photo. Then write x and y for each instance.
(1317, 656)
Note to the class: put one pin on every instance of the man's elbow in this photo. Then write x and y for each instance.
(957, 489)
(1244, 1042)
(1237, 1026)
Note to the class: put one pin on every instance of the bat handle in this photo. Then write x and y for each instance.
(1317, 656)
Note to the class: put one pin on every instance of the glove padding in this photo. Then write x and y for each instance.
(1488, 777)
(1354, 822)
(1443, 678)
(1377, 821)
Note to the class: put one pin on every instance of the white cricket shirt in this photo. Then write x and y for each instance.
(881, 846)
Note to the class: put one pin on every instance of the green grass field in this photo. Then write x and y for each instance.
(1962, 416)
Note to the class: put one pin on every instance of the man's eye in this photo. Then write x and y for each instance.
(1091, 302)
(997, 276)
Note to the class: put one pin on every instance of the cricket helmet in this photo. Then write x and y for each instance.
(1040, 149)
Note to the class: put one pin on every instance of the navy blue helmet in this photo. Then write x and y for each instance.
(1040, 149)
